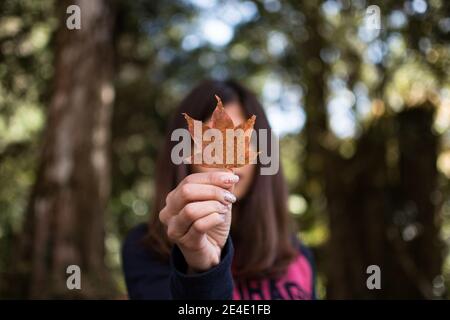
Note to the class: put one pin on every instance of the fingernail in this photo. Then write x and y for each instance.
(231, 179)
(229, 197)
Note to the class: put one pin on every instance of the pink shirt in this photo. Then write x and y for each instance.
(295, 284)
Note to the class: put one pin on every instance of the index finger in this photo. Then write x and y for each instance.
(218, 178)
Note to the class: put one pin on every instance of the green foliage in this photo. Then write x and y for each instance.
(26, 68)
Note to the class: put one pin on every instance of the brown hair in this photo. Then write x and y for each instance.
(260, 228)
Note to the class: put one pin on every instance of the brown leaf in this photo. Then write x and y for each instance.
(220, 119)
(222, 130)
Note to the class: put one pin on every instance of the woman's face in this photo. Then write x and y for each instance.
(245, 173)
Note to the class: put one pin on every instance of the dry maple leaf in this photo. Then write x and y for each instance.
(229, 146)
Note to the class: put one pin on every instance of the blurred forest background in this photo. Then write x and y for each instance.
(364, 118)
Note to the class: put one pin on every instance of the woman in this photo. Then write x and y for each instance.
(217, 234)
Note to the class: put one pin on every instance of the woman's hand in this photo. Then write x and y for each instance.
(198, 216)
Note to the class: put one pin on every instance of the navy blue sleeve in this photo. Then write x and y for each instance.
(214, 284)
(147, 277)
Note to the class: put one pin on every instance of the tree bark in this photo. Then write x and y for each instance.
(382, 211)
(65, 219)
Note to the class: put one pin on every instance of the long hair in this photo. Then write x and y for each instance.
(260, 222)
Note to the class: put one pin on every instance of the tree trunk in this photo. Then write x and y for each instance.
(382, 212)
(313, 74)
(356, 191)
(65, 219)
